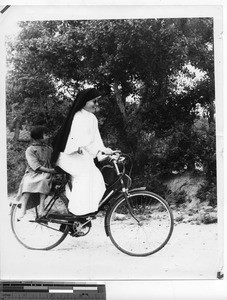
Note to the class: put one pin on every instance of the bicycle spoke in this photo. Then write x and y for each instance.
(34, 234)
(150, 233)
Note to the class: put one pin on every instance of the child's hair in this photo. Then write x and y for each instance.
(37, 132)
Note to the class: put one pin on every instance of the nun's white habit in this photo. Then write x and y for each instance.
(88, 184)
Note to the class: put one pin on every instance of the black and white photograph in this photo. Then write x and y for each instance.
(112, 144)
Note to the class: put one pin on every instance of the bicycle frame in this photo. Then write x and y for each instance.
(113, 192)
(57, 193)
(122, 191)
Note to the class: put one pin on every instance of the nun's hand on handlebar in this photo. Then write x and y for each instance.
(107, 151)
(104, 154)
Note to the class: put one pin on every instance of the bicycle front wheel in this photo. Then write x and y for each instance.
(143, 231)
(34, 234)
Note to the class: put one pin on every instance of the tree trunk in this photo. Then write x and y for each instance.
(120, 103)
(211, 113)
(16, 130)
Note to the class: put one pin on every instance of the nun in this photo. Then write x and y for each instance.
(77, 144)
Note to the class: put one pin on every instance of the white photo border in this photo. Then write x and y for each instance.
(53, 10)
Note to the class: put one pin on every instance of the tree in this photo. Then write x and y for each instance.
(135, 63)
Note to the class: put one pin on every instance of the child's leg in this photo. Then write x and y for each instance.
(24, 201)
(42, 204)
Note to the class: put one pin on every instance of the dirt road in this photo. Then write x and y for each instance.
(191, 253)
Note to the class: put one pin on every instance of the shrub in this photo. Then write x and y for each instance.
(177, 198)
(208, 192)
(16, 164)
(147, 179)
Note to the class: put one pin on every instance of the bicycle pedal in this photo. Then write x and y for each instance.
(77, 234)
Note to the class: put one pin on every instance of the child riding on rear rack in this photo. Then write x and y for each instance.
(37, 177)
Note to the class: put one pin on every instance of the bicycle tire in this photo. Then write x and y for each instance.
(36, 235)
(150, 233)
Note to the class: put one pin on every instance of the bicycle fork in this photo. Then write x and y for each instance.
(125, 193)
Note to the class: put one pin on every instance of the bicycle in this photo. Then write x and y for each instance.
(137, 221)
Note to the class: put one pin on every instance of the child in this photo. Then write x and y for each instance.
(37, 177)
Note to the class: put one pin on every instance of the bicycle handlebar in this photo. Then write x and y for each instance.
(113, 156)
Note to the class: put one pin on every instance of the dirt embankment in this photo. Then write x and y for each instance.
(192, 210)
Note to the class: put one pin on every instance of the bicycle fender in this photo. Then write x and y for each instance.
(143, 188)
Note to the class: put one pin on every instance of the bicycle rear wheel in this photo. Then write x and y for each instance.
(38, 235)
(145, 233)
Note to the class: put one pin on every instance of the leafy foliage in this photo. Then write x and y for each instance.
(208, 192)
(15, 164)
(139, 65)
